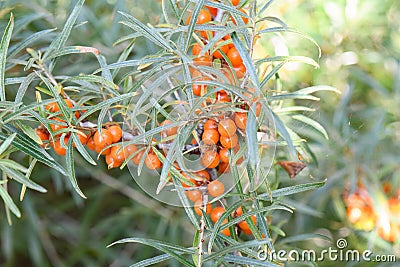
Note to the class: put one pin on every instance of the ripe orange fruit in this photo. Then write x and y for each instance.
(210, 159)
(240, 120)
(202, 61)
(210, 137)
(90, 144)
(226, 231)
(238, 212)
(170, 131)
(245, 20)
(227, 127)
(235, 2)
(129, 150)
(112, 162)
(223, 167)
(117, 153)
(58, 148)
(210, 124)
(229, 141)
(216, 213)
(116, 132)
(198, 208)
(213, 10)
(54, 107)
(138, 157)
(57, 127)
(102, 140)
(43, 134)
(234, 57)
(224, 155)
(193, 195)
(203, 174)
(245, 226)
(240, 71)
(204, 17)
(223, 96)
(223, 48)
(152, 161)
(215, 188)
(196, 50)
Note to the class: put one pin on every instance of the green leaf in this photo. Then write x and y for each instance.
(316, 125)
(286, 59)
(81, 149)
(318, 88)
(5, 42)
(73, 50)
(193, 22)
(152, 261)
(13, 165)
(24, 86)
(9, 202)
(60, 41)
(71, 167)
(19, 177)
(301, 238)
(293, 190)
(251, 134)
(26, 145)
(6, 143)
(171, 249)
(112, 87)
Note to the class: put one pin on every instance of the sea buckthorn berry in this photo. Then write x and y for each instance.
(203, 17)
(116, 132)
(213, 10)
(198, 88)
(171, 130)
(58, 148)
(103, 140)
(203, 174)
(112, 162)
(245, 226)
(90, 144)
(223, 96)
(210, 159)
(129, 150)
(153, 162)
(216, 213)
(240, 120)
(229, 141)
(224, 154)
(238, 212)
(240, 71)
(215, 188)
(223, 167)
(210, 124)
(54, 107)
(198, 207)
(235, 2)
(202, 61)
(193, 195)
(196, 50)
(57, 127)
(227, 127)
(234, 57)
(223, 48)
(43, 134)
(138, 157)
(210, 137)
(117, 153)
(226, 231)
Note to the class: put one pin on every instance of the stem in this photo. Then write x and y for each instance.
(202, 228)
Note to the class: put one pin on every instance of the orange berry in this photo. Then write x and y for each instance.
(103, 140)
(43, 134)
(204, 17)
(245, 20)
(54, 107)
(138, 157)
(193, 195)
(224, 155)
(240, 71)
(90, 144)
(210, 159)
(229, 141)
(129, 150)
(238, 212)
(152, 161)
(227, 127)
(198, 207)
(240, 120)
(210, 137)
(196, 50)
(203, 174)
(58, 147)
(234, 57)
(224, 49)
(235, 2)
(57, 127)
(112, 162)
(210, 124)
(213, 10)
(245, 226)
(216, 213)
(117, 153)
(215, 188)
(170, 131)
(116, 132)
(223, 167)
(223, 96)
(226, 231)
(202, 61)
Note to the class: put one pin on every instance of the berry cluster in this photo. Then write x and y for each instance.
(364, 215)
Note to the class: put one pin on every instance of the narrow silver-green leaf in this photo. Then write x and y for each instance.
(316, 125)
(5, 42)
(19, 177)
(81, 149)
(9, 202)
(293, 189)
(7, 142)
(71, 167)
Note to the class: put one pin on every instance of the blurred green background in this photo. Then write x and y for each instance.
(360, 42)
